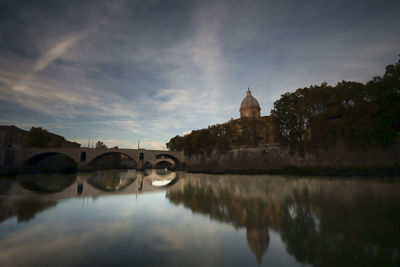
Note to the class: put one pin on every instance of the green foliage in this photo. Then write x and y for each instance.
(220, 137)
(361, 115)
(38, 137)
(175, 144)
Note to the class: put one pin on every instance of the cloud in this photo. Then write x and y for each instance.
(61, 91)
(153, 145)
(55, 52)
(141, 72)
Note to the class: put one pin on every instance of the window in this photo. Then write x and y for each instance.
(83, 156)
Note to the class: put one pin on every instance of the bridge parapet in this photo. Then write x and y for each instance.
(84, 156)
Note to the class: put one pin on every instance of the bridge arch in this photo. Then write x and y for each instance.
(43, 161)
(164, 164)
(99, 156)
(168, 156)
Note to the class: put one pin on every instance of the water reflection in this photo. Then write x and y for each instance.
(47, 183)
(112, 180)
(321, 222)
(264, 220)
(24, 209)
(29, 189)
(161, 177)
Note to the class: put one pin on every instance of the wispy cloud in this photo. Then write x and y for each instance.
(139, 70)
(55, 52)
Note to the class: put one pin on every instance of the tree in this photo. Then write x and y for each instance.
(100, 145)
(361, 115)
(291, 123)
(175, 144)
(38, 137)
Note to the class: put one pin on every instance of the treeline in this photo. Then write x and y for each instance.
(247, 132)
(199, 141)
(38, 137)
(361, 115)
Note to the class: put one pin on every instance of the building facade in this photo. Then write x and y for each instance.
(14, 137)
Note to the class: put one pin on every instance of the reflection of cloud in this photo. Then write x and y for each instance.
(120, 221)
(39, 243)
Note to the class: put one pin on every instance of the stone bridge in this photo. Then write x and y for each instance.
(18, 157)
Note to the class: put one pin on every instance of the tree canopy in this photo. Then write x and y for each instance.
(248, 132)
(361, 115)
(38, 137)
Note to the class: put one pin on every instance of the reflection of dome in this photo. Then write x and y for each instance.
(258, 240)
(249, 106)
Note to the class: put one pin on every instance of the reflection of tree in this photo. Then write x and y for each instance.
(27, 209)
(323, 223)
(24, 209)
(249, 213)
(364, 232)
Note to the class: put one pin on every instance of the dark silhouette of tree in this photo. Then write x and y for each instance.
(38, 137)
(100, 145)
(222, 137)
(361, 115)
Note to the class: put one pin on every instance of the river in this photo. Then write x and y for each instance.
(163, 218)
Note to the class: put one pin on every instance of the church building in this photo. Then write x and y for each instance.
(249, 108)
(251, 129)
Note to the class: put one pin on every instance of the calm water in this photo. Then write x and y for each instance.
(125, 218)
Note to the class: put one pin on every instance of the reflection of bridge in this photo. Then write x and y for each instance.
(82, 157)
(92, 185)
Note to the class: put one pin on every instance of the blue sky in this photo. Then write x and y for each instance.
(123, 71)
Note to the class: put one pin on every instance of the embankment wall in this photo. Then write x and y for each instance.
(274, 158)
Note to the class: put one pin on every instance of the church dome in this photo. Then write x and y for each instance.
(249, 106)
(249, 101)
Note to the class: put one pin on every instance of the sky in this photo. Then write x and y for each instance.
(129, 71)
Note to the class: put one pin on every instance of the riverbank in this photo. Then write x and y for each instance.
(377, 171)
(337, 160)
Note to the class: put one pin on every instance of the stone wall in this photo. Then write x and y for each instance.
(275, 157)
